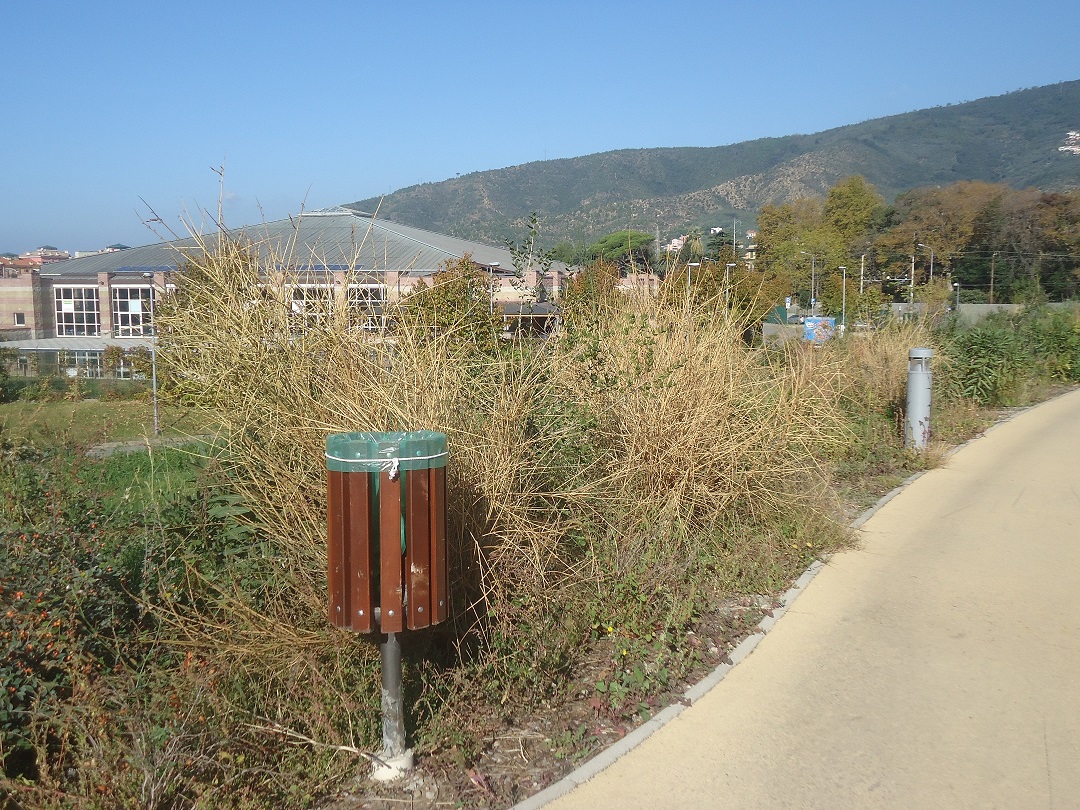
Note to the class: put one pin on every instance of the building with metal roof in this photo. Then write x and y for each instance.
(335, 237)
(88, 303)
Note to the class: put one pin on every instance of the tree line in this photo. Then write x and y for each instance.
(985, 242)
(998, 244)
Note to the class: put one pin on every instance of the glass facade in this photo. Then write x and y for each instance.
(77, 312)
(133, 309)
(312, 303)
(365, 303)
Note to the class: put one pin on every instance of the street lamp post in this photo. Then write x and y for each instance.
(911, 283)
(931, 259)
(688, 266)
(993, 257)
(813, 279)
(843, 299)
(727, 282)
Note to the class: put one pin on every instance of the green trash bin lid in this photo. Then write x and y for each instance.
(389, 452)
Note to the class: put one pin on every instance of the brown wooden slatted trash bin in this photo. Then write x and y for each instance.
(387, 530)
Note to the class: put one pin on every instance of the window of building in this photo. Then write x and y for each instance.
(79, 363)
(312, 302)
(77, 313)
(365, 303)
(133, 310)
(20, 319)
(88, 363)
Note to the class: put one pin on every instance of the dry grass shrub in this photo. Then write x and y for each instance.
(278, 381)
(643, 450)
(875, 364)
(705, 436)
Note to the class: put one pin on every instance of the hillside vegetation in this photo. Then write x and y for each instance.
(1012, 139)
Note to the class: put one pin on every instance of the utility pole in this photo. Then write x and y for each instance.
(688, 266)
(862, 272)
(813, 280)
(992, 257)
(843, 306)
(931, 260)
(911, 285)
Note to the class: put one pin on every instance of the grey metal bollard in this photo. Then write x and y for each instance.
(919, 383)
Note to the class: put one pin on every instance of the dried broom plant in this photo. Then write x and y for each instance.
(875, 364)
(647, 443)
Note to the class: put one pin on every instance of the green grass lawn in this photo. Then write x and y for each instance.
(90, 422)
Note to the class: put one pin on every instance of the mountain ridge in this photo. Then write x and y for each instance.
(1012, 138)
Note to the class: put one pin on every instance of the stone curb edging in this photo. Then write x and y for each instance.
(692, 695)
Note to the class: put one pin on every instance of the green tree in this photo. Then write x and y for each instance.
(568, 253)
(780, 228)
(529, 257)
(797, 246)
(1059, 222)
(718, 244)
(628, 249)
(853, 210)
(943, 219)
(456, 307)
(693, 249)
(112, 359)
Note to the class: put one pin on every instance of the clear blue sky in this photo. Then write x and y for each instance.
(329, 101)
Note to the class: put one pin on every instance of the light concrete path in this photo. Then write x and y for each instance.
(936, 666)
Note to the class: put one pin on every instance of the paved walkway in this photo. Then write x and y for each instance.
(142, 445)
(937, 666)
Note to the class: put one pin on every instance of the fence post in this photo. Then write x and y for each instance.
(920, 381)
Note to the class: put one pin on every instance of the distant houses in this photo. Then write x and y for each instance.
(745, 248)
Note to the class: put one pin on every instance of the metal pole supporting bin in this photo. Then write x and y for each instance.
(387, 566)
(387, 530)
(920, 384)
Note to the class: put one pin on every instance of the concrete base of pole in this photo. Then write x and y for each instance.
(389, 768)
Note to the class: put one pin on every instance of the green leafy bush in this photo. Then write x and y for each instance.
(996, 360)
(987, 362)
(1052, 338)
(107, 701)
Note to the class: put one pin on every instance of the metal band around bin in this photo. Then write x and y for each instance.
(391, 464)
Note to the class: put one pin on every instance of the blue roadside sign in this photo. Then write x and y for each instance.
(818, 330)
